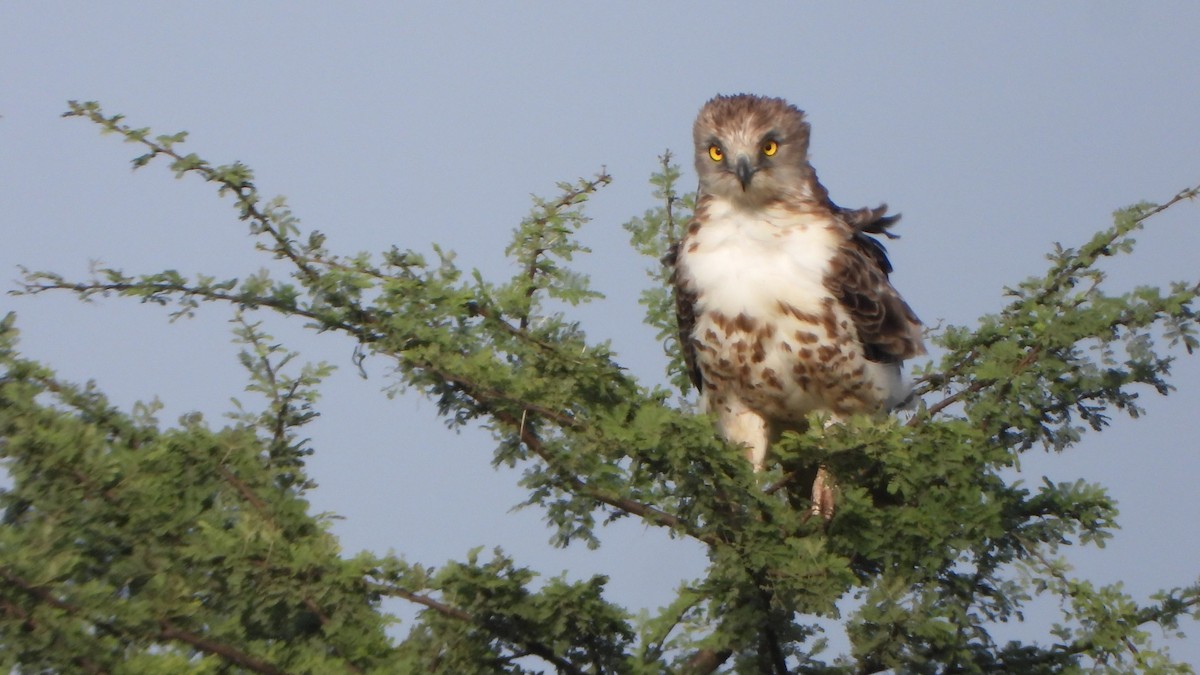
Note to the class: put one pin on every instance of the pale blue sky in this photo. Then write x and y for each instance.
(995, 132)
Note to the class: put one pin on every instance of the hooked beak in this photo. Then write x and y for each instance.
(744, 172)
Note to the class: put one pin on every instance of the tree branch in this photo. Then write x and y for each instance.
(633, 507)
(532, 646)
(167, 630)
(92, 288)
(932, 381)
(706, 661)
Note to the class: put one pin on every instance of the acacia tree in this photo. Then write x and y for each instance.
(129, 547)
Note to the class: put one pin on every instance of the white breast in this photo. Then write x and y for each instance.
(750, 264)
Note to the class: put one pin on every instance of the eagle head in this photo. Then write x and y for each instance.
(752, 150)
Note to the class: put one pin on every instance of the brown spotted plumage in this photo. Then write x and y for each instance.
(782, 297)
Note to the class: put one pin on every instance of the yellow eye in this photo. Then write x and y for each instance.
(714, 151)
(770, 148)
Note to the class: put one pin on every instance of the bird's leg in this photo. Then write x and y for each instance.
(741, 425)
(823, 498)
(823, 502)
(750, 429)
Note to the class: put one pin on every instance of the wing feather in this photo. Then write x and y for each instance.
(889, 330)
(685, 317)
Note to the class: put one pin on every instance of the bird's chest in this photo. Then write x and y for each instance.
(740, 264)
(767, 329)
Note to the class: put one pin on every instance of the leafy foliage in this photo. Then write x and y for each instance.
(654, 234)
(127, 545)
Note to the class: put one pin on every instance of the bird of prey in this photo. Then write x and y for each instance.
(782, 297)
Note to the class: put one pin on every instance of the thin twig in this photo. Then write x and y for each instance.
(935, 380)
(532, 646)
(633, 507)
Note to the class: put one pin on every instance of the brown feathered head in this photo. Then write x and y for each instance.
(753, 150)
